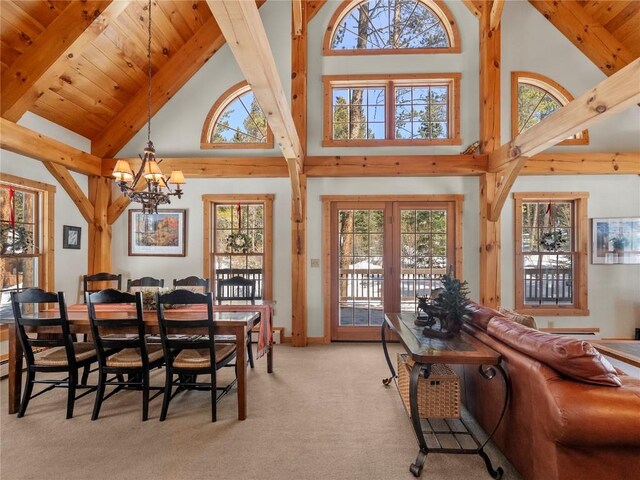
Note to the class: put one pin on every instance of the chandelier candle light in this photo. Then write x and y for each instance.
(157, 191)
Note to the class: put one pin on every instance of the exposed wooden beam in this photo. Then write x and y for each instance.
(394, 165)
(52, 52)
(490, 58)
(164, 85)
(586, 33)
(296, 7)
(72, 188)
(587, 163)
(120, 204)
(609, 97)
(242, 27)
(214, 167)
(313, 7)
(18, 139)
(474, 6)
(99, 251)
(299, 228)
(496, 12)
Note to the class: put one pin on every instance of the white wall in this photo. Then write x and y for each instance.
(69, 264)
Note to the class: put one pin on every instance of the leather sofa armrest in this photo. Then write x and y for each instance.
(590, 415)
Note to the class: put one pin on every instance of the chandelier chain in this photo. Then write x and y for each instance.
(149, 77)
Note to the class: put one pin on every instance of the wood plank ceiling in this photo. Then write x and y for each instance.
(103, 82)
(109, 72)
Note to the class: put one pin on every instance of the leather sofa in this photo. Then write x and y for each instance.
(555, 427)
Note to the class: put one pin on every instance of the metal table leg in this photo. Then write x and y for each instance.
(387, 381)
(418, 370)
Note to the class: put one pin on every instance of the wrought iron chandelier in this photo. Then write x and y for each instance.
(157, 190)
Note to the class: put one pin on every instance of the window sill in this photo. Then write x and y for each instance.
(552, 312)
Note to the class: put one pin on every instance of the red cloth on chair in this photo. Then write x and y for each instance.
(265, 337)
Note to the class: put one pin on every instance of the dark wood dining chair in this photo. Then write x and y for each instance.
(88, 280)
(237, 288)
(62, 354)
(193, 283)
(121, 347)
(145, 282)
(186, 356)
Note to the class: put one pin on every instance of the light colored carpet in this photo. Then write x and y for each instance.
(323, 414)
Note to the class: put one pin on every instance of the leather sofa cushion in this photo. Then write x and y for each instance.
(479, 315)
(574, 358)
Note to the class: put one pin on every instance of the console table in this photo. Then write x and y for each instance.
(459, 349)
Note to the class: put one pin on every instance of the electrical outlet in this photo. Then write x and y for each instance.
(315, 263)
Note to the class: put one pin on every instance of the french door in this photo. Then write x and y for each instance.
(383, 254)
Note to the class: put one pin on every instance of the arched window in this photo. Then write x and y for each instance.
(236, 121)
(533, 98)
(391, 26)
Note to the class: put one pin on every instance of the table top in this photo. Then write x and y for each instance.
(459, 349)
(627, 351)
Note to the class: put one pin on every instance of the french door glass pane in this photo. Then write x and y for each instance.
(423, 253)
(360, 275)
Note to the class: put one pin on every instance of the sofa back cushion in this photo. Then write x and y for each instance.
(479, 315)
(576, 359)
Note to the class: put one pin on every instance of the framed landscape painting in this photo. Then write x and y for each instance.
(615, 240)
(161, 234)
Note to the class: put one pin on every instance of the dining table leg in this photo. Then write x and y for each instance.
(15, 369)
(241, 365)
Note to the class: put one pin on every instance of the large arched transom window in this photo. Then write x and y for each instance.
(391, 26)
(534, 98)
(236, 121)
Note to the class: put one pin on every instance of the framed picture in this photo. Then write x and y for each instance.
(71, 237)
(161, 234)
(615, 240)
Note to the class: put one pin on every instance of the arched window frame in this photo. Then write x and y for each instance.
(438, 8)
(554, 89)
(212, 117)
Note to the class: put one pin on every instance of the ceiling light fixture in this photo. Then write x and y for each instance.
(157, 190)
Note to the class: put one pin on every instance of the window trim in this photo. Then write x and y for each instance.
(46, 199)
(554, 89)
(390, 81)
(209, 201)
(437, 6)
(216, 110)
(581, 231)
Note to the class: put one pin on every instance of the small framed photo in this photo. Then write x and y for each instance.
(71, 237)
(615, 240)
(162, 234)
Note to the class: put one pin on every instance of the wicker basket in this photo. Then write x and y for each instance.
(438, 395)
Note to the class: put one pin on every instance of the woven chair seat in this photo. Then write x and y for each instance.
(199, 358)
(130, 357)
(226, 338)
(57, 356)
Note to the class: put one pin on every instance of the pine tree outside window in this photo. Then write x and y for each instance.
(236, 121)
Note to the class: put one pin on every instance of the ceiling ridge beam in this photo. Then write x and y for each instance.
(242, 27)
(575, 23)
(23, 141)
(64, 178)
(164, 85)
(24, 81)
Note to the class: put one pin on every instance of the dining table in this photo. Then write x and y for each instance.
(229, 319)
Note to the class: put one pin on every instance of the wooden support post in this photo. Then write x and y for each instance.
(489, 245)
(299, 223)
(99, 229)
(489, 141)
